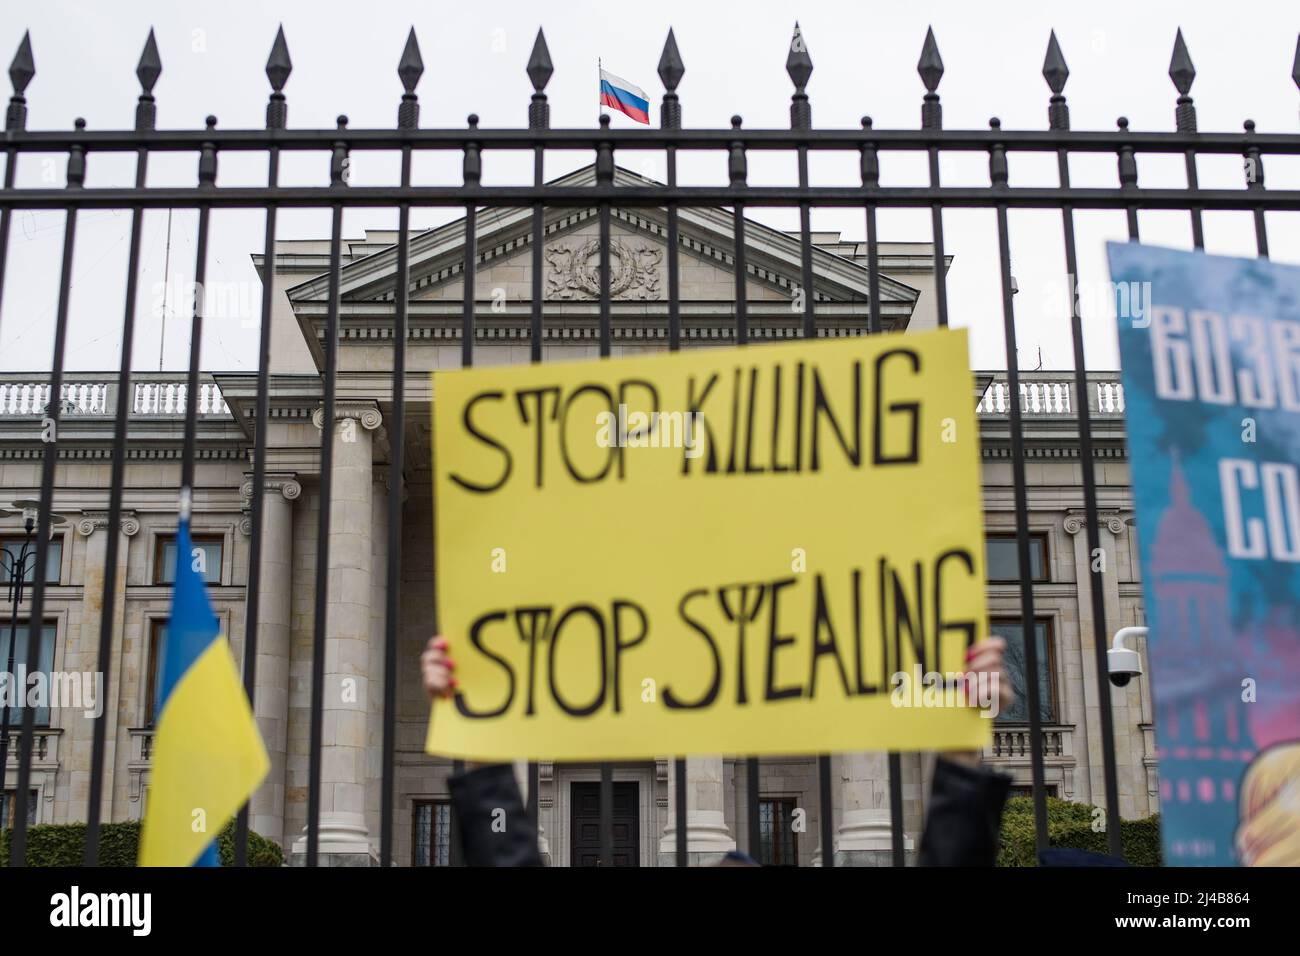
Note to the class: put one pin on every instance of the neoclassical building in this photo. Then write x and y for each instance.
(364, 491)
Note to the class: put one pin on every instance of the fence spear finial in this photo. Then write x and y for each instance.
(800, 66)
(539, 71)
(409, 70)
(671, 71)
(1295, 64)
(147, 71)
(1055, 72)
(1183, 73)
(540, 67)
(21, 71)
(150, 66)
(278, 64)
(278, 68)
(930, 67)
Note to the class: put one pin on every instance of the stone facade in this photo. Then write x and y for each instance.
(363, 491)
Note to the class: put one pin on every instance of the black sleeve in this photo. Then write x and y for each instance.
(489, 837)
(965, 816)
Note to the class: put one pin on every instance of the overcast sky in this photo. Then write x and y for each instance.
(864, 55)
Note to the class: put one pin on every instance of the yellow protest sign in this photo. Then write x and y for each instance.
(714, 551)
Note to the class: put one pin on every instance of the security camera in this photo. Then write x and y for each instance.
(1122, 661)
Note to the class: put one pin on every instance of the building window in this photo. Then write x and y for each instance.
(9, 807)
(1002, 561)
(157, 635)
(1012, 632)
(432, 833)
(13, 547)
(778, 845)
(206, 558)
(13, 647)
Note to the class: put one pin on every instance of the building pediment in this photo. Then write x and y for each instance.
(638, 254)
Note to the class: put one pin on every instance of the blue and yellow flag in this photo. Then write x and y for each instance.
(208, 756)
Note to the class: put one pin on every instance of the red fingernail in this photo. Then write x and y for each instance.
(453, 682)
(440, 643)
(451, 665)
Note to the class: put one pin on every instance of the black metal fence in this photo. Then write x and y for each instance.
(407, 137)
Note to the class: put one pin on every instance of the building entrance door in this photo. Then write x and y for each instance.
(584, 825)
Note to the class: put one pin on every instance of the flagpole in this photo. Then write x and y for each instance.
(600, 90)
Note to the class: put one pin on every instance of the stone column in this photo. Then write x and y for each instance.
(1112, 525)
(707, 835)
(864, 837)
(344, 835)
(378, 630)
(271, 692)
(82, 657)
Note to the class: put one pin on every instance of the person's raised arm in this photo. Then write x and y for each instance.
(489, 809)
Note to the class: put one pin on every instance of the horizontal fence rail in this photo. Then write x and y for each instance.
(1012, 396)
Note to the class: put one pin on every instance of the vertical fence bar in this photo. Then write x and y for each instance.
(472, 171)
(456, 851)
(671, 70)
(998, 181)
(605, 178)
(798, 65)
(870, 168)
(277, 70)
(21, 71)
(409, 70)
(49, 461)
(1183, 73)
(1058, 113)
(148, 71)
(338, 164)
(930, 67)
(737, 171)
(1128, 178)
(539, 118)
(1254, 167)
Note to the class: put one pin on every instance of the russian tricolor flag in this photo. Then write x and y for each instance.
(621, 95)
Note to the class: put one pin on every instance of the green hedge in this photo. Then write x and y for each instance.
(1070, 825)
(64, 844)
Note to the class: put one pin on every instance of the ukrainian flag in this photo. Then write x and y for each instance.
(208, 756)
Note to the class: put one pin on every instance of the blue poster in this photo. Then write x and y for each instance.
(1210, 348)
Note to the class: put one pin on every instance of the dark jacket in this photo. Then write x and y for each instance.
(964, 817)
(494, 826)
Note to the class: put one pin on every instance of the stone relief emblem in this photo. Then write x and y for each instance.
(574, 271)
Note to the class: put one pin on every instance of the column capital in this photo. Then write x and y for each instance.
(286, 483)
(93, 520)
(365, 414)
(1076, 519)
